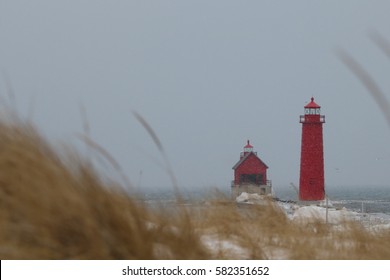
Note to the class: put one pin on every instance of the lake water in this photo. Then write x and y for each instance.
(368, 199)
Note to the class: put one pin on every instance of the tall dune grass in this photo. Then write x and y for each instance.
(54, 205)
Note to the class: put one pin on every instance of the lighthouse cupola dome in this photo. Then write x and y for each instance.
(248, 147)
(312, 108)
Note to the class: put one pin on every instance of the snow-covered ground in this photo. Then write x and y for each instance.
(304, 214)
(322, 212)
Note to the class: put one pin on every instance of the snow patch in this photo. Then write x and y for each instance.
(316, 213)
(251, 198)
(224, 247)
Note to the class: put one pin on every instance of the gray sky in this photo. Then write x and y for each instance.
(207, 76)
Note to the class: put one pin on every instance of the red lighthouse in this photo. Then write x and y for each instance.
(250, 174)
(311, 182)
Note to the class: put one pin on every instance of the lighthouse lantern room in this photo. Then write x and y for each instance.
(311, 181)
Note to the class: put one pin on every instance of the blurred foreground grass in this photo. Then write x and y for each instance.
(54, 205)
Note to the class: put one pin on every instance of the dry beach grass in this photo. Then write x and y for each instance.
(58, 207)
(54, 205)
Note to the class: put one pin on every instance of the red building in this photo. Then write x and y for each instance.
(311, 181)
(250, 173)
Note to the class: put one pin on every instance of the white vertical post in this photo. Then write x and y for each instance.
(326, 218)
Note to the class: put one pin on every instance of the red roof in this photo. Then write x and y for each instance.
(312, 104)
(244, 158)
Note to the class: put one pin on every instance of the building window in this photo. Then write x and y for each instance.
(248, 178)
(257, 179)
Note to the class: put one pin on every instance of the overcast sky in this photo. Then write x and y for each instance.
(207, 76)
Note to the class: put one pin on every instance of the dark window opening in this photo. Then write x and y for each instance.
(252, 179)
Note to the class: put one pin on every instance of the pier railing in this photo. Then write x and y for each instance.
(311, 119)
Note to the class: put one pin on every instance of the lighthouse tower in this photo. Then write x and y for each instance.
(311, 181)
